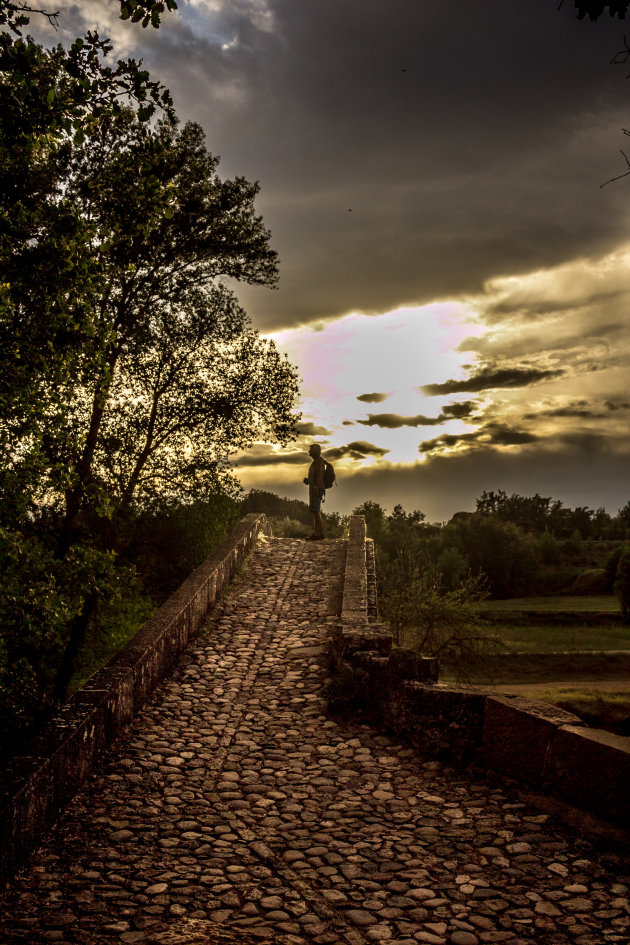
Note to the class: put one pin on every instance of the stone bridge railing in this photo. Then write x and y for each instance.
(545, 748)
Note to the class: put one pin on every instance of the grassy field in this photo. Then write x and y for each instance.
(541, 637)
(599, 707)
(599, 604)
(555, 649)
(539, 668)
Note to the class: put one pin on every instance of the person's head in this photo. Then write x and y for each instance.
(315, 450)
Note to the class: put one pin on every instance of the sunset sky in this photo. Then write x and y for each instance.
(454, 281)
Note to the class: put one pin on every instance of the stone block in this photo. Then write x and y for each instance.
(517, 735)
(405, 663)
(371, 589)
(345, 643)
(27, 807)
(443, 721)
(116, 684)
(591, 769)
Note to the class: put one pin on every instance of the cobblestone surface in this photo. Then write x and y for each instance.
(234, 803)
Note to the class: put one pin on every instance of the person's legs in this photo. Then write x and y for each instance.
(318, 525)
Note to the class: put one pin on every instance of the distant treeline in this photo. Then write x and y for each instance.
(519, 545)
(432, 576)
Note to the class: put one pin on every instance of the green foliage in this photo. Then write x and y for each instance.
(40, 596)
(114, 621)
(375, 520)
(547, 548)
(285, 527)
(537, 514)
(148, 12)
(128, 371)
(443, 623)
(622, 583)
(611, 565)
(257, 500)
(166, 544)
(290, 518)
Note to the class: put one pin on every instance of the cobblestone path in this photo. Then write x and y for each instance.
(234, 799)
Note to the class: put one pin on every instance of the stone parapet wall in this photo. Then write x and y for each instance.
(40, 781)
(533, 742)
(354, 607)
(372, 596)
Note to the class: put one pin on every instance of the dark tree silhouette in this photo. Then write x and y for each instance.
(593, 9)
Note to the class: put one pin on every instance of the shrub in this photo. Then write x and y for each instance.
(443, 623)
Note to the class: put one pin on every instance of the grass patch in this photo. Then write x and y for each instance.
(599, 709)
(599, 604)
(543, 637)
(547, 667)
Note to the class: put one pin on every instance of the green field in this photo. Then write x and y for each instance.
(541, 637)
(600, 604)
(571, 651)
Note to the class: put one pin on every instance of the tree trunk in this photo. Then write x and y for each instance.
(78, 630)
(75, 495)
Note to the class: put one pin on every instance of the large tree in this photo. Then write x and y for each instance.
(128, 372)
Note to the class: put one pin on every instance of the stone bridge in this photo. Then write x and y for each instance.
(234, 808)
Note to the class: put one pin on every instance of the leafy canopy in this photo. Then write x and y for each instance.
(128, 370)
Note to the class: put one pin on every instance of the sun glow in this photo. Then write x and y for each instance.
(392, 354)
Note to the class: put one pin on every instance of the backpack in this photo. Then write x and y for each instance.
(329, 475)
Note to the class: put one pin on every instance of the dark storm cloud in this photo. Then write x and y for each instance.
(466, 141)
(441, 485)
(572, 411)
(374, 398)
(492, 434)
(581, 408)
(359, 449)
(392, 421)
(266, 456)
(613, 405)
(459, 411)
(528, 307)
(311, 429)
(562, 339)
(491, 379)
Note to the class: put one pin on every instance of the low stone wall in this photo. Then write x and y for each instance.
(354, 607)
(535, 743)
(39, 781)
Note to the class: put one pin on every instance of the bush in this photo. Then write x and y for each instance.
(439, 622)
(40, 596)
(595, 581)
(285, 527)
(165, 545)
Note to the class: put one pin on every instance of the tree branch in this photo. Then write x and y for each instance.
(619, 176)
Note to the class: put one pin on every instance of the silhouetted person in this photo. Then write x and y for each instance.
(316, 491)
